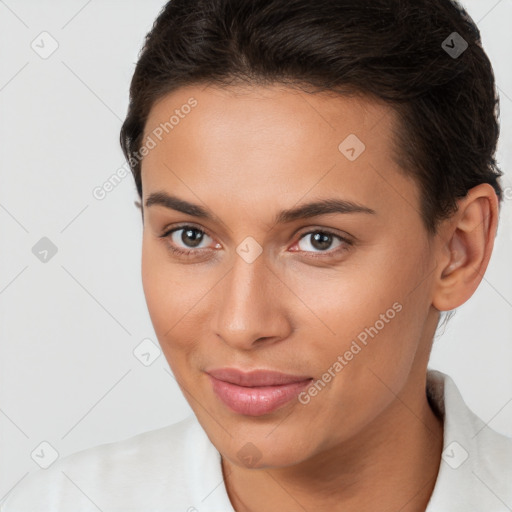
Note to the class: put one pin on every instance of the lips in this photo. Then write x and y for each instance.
(256, 378)
(257, 392)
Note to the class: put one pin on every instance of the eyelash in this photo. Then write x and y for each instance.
(193, 252)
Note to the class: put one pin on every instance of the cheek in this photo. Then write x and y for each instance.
(154, 289)
(378, 322)
(344, 300)
(160, 290)
(172, 297)
(373, 312)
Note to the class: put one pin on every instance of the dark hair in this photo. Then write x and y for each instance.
(396, 51)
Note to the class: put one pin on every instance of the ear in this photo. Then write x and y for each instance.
(466, 243)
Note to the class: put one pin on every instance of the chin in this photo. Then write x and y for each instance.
(264, 454)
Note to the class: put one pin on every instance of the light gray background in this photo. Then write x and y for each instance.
(68, 375)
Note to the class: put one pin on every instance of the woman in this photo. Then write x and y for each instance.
(317, 184)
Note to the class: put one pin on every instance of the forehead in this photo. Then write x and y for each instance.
(272, 144)
(272, 115)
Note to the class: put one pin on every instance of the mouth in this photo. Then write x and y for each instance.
(257, 392)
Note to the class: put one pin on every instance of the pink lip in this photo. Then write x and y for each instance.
(255, 393)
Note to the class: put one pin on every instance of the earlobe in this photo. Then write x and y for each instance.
(469, 239)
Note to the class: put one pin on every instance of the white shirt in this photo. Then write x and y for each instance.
(178, 469)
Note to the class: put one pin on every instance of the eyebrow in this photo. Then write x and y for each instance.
(305, 211)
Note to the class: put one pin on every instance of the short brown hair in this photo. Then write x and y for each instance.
(392, 50)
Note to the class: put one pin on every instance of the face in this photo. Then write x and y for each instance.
(339, 295)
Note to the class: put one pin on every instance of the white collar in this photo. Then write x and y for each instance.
(475, 473)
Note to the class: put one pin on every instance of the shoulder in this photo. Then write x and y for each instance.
(488, 458)
(475, 472)
(143, 468)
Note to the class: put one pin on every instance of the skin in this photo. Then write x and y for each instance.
(369, 440)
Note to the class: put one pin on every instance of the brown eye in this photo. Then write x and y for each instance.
(190, 236)
(184, 240)
(321, 241)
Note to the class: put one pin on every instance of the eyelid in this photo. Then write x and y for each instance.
(166, 232)
(315, 229)
(346, 243)
(169, 229)
(345, 238)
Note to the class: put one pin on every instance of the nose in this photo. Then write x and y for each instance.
(251, 309)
